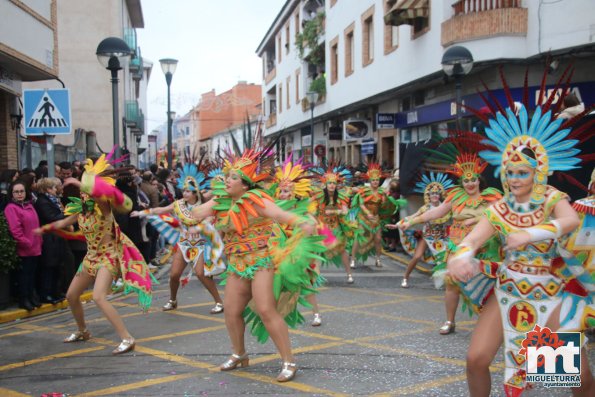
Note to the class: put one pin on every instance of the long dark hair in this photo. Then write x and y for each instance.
(335, 196)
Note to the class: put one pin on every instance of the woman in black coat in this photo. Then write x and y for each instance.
(49, 209)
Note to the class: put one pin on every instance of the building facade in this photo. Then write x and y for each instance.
(23, 60)
(80, 26)
(383, 87)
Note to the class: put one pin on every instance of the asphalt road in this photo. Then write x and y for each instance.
(377, 339)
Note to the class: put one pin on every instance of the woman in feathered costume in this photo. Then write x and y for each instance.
(246, 215)
(291, 189)
(330, 206)
(434, 233)
(538, 284)
(465, 203)
(370, 206)
(196, 249)
(110, 254)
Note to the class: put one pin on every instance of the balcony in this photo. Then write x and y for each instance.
(271, 121)
(135, 119)
(270, 76)
(478, 19)
(130, 38)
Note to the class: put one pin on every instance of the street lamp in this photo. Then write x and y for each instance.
(312, 98)
(112, 53)
(457, 61)
(168, 66)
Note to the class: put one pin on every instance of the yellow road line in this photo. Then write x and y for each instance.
(305, 349)
(11, 393)
(195, 315)
(50, 357)
(182, 333)
(173, 357)
(15, 334)
(304, 388)
(315, 335)
(139, 385)
(419, 387)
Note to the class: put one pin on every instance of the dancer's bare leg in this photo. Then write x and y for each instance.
(175, 274)
(266, 306)
(485, 342)
(78, 285)
(345, 260)
(208, 282)
(451, 301)
(237, 296)
(587, 388)
(103, 284)
(420, 248)
(311, 298)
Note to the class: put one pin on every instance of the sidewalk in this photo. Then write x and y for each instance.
(12, 313)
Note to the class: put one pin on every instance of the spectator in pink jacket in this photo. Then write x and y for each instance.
(22, 220)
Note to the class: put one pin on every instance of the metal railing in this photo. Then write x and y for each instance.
(462, 7)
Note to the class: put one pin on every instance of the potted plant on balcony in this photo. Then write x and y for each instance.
(309, 37)
(8, 261)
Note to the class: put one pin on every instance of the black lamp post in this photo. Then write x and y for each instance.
(312, 98)
(457, 61)
(168, 66)
(112, 53)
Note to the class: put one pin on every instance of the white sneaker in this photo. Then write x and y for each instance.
(352, 264)
(317, 320)
(350, 279)
(404, 283)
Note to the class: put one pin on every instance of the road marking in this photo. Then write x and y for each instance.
(16, 333)
(11, 393)
(195, 315)
(140, 385)
(289, 385)
(419, 387)
(304, 349)
(173, 357)
(50, 357)
(182, 333)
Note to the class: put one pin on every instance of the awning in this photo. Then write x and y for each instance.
(404, 12)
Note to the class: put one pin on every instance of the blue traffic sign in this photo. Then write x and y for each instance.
(47, 112)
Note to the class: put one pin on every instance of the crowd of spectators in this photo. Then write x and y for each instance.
(29, 199)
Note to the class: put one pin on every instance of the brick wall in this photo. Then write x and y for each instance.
(8, 138)
(500, 22)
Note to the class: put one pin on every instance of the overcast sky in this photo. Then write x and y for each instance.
(214, 41)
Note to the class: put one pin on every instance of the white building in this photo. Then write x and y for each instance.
(384, 83)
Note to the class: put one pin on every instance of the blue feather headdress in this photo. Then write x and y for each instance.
(435, 182)
(191, 178)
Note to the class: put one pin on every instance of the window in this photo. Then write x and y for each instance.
(297, 86)
(368, 37)
(349, 49)
(333, 2)
(391, 33)
(287, 91)
(297, 22)
(420, 26)
(280, 98)
(279, 47)
(334, 44)
(287, 38)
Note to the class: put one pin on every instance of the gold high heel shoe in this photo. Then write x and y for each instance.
(78, 336)
(125, 346)
(447, 328)
(287, 372)
(170, 305)
(234, 361)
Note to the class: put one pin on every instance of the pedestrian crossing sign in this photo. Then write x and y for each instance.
(47, 112)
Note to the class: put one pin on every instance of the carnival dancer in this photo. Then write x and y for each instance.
(370, 205)
(256, 271)
(110, 254)
(539, 284)
(190, 248)
(465, 202)
(292, 188)
(434, 233)
(331, 205)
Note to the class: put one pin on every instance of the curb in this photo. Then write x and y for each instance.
(18, 314)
